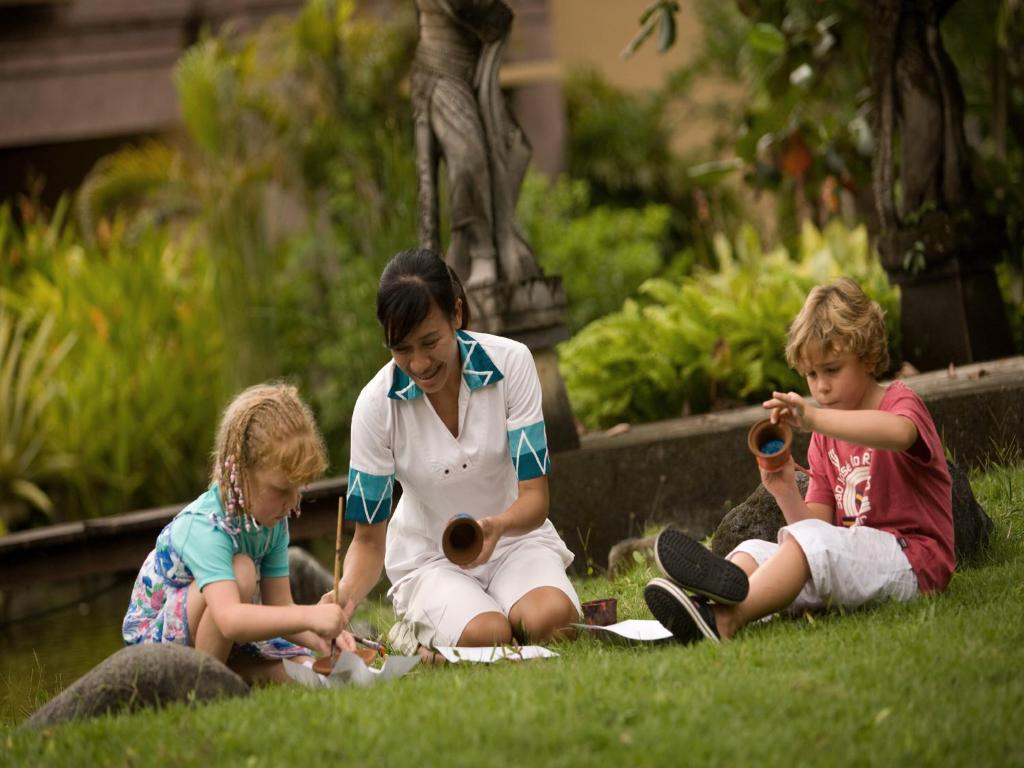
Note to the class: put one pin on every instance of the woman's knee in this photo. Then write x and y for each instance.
(486, 629)
(543, 613)
(245, 577)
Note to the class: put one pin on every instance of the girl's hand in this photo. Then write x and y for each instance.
(326, 619)
(345, 642)
(791, 407)
(492, 531)
(347, 603)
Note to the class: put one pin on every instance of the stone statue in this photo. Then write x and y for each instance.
(460, 114)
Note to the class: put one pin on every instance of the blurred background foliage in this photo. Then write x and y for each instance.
(715, 338)
(250, 246)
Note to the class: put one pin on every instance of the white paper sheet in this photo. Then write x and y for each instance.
(640, 630)
(455, 654)
(349, 669)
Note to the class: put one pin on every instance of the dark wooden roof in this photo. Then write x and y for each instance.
(73, 70)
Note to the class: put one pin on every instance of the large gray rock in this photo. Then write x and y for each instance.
(759, 517)
(141, 676)
(309, 579)
(972, 527)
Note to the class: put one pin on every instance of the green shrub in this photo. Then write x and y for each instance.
(142, 385)
(29, 445)
(714, 338)
(601, 253)
(298, 180)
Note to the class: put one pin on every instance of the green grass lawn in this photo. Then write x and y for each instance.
(939, 681)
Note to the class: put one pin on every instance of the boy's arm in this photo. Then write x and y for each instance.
(872, 429)
(782, 485)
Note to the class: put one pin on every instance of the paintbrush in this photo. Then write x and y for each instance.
(378, 647)
(326, 664)
(337, 566)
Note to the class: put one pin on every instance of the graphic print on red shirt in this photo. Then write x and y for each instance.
(908, 493)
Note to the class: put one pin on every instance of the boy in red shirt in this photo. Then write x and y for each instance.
(877, 520)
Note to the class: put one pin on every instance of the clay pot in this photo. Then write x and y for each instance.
(761, 433)
(600, 613)
(462, 539)
(324, 664)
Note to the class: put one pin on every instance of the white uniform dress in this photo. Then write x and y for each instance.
(397, 435)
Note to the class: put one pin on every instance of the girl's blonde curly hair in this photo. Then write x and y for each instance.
(266, 426)
(838, 317)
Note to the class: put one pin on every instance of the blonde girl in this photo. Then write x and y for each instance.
(218, 577)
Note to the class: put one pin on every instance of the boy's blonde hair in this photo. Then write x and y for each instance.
(266, 426)
(838, 317)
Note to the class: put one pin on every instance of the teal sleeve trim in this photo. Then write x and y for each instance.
(528, 447)
(369, 497)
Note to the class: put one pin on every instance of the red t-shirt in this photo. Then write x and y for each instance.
(908, 493)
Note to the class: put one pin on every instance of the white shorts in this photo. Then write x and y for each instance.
(441, 598)
(849, 566)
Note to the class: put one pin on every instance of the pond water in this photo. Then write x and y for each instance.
(45, 653)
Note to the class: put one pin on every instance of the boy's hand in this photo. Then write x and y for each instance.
(780, 481)
(791, 407)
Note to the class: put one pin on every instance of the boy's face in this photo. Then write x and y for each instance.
(839, 380)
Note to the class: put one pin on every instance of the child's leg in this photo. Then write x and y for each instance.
(543, 614)
(773, 587)
(203, 631)
(744, 561)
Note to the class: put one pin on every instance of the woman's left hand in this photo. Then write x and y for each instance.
(492, 531)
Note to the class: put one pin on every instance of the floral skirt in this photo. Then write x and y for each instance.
(157, 611)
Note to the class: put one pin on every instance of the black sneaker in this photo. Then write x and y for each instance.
(696, 568)
(689, 619)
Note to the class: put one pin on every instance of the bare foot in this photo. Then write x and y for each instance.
(430, 658)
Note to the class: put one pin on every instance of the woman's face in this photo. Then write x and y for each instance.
(430, 353)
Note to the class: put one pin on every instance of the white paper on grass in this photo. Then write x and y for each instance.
(455, 654)
(640, 630)
(349, 669)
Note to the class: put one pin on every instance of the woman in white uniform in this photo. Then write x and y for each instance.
(455, 417)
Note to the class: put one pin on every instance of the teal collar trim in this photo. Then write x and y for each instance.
(478, 370)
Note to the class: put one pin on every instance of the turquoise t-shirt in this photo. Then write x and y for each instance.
(206, 544)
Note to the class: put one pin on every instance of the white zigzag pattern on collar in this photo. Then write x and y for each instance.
(470, 347)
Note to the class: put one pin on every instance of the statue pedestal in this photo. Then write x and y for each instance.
(532, 311)
(951, 309)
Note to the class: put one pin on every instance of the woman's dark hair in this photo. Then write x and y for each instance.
(413, 281)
